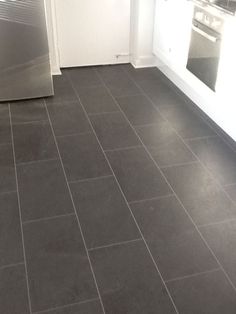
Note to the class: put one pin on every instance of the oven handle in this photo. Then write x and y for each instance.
(204, 34)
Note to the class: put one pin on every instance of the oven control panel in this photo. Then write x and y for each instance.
(208, 19)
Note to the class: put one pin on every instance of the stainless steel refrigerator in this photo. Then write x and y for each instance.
(24, 54)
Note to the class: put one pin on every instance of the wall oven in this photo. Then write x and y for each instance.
(204, 51)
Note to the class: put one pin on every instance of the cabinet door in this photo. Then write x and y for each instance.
(93, 32)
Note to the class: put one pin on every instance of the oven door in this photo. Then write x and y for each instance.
(204, 53)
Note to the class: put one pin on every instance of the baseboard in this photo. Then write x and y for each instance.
(144, 62)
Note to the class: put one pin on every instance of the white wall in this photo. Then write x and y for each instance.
(141, 37)
(142, 27)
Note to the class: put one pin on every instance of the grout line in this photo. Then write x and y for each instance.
(122, 148)
(8, 192)
(73, 134)
(102, 113)
(36, 161)
(30, 122)
(180, 164)
(217, 223)
(191, 139)
(114, 244)
(229, 185)
(11, 265)
(47, 218)
(150, 254)
(74, 207)
(194, 275)
(66, 306)
(190, 217)
(90, 179)
(151, 199)
(20, 214)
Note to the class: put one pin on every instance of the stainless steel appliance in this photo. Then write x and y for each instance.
(24, 54)
(204, 51)
(227, 5)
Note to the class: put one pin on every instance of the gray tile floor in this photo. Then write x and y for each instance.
(115, 197)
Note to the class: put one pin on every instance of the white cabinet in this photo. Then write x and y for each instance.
(172, 31)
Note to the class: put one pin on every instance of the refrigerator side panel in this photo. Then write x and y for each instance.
(24, 54)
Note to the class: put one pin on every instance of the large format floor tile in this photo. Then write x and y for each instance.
(13, 291)
(28, 111)
(10, 230)
(128, 280)
(164, 144)
(137, 174)
(34, 141)
(7, 170)
(114, 131)
(103, 213)
(58, 267)
(204, 294)
(63, 91)
(118, 81)
(43, 190)
(217, 156)
(159, 92)
(172, 238)
(139, 110)
(68, 118)
(5, 128)
(187, 123)
(83, 77)
(142, 74)
(92, 307)
(97, 99)
(231, 190)
(205, 201)
(222, 239)
(82, 157)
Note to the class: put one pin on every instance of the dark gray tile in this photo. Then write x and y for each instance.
(231, 190)
(118, 81)
(199, 193)
(128, 280)
(68, 119)
(217, 156)
(222, 239)
(164, 144)
(204, 294)
(10, 230)
(137, 174)
(7, 170)
(58, 267)
(43, 190)
(34, 141)
(28, 111)
(172, 238)
(139, 110)
(187, 123)
(103, 213)
(114, 131)
(160, 92)
(140, 75)
(63, 90)
(13, 291)
(82, 157)
(83, 77)
(5, 128)
(91, 307)
(97, 99)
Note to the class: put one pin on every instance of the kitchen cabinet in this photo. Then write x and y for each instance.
(172, 30)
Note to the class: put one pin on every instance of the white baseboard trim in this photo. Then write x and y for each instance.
(144, 62)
